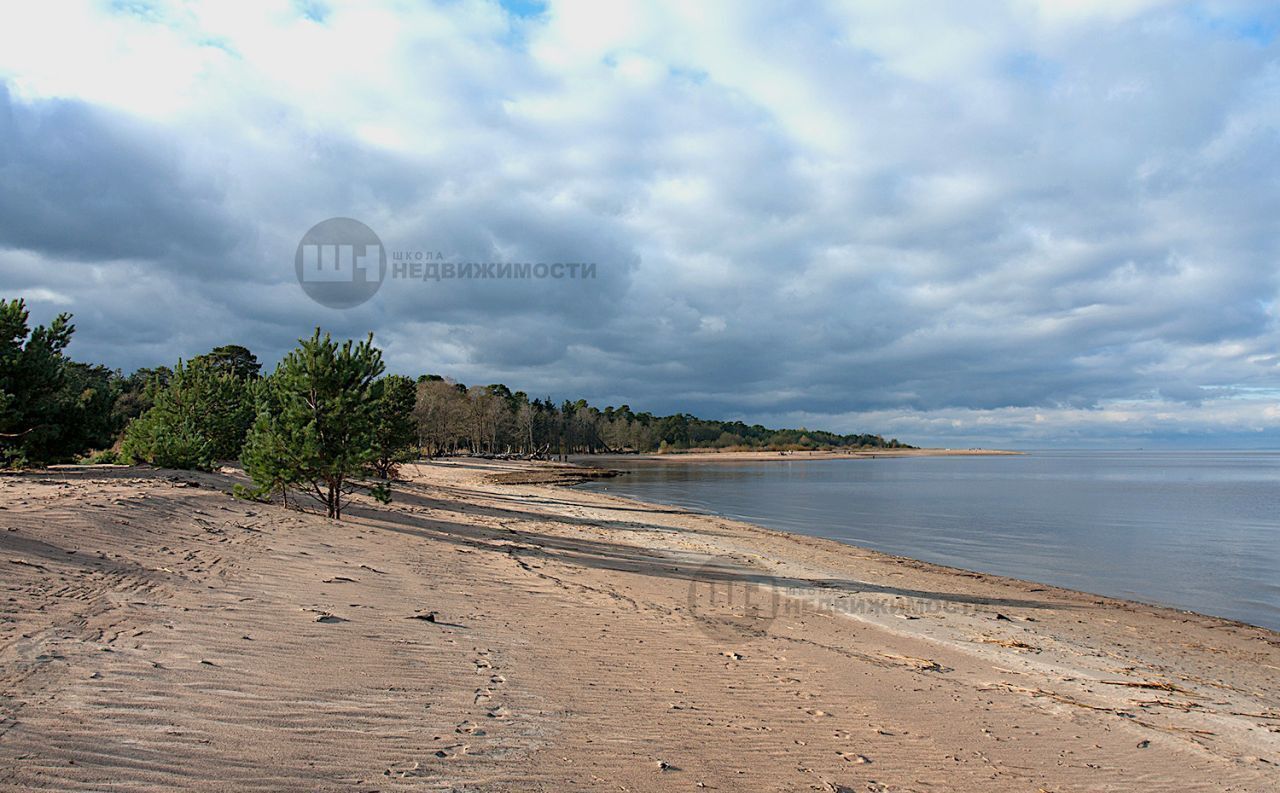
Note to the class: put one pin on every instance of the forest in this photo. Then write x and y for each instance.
(328, 411)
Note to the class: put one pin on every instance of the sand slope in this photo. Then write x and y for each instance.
(157, 634)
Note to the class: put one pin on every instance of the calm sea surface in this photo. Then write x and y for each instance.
(1194, 530)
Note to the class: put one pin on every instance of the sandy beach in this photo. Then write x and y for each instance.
(479, 635)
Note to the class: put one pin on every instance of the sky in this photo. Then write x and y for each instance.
(1028, 224)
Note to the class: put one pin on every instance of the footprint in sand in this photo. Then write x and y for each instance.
(485, 695)
(453, 752)
(402, 770)
(468, 728)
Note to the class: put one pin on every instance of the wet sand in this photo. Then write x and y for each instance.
(158, 634)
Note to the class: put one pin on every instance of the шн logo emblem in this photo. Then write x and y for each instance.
(340, 263)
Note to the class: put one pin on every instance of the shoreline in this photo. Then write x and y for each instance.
(706, 455)
(939, 567)
(475, 634)
(570, 482)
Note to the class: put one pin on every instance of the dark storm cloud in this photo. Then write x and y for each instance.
(93, 185)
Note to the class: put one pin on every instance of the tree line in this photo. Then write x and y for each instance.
(325, 422)
(491, 419)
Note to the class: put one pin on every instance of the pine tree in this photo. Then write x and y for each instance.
(51, 408)
(233, 359)
(317, 420)
(200, 415)
(396, 432)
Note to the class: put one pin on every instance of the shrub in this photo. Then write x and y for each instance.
(104, 457)
(200, 416)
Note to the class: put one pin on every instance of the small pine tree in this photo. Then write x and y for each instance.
(397, 431)
(317, 417)
(166, 441)
(200, 416)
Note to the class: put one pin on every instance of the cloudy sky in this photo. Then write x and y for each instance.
(1027, 223)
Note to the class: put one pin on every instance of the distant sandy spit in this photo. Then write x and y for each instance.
(157, 634)
(713, 456)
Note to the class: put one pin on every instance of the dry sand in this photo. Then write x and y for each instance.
(159, 635)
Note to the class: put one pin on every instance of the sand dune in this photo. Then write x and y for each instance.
(157, 634)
